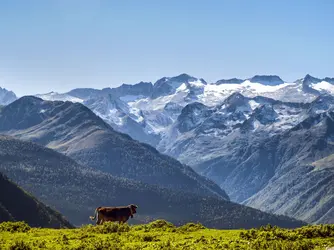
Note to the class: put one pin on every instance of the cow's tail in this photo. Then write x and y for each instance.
(95, 213)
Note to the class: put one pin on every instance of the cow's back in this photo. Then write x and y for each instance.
(115, 212)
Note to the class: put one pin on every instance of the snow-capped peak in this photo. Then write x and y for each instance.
(170, 85)
(316, 86)
(308, 79)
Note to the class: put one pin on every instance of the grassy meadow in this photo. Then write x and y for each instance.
(163, 235)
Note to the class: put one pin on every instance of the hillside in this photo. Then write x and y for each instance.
(74, 130)
(17, 205)
(76, 191)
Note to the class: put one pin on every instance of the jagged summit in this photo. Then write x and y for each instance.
(183, 78)
(6, 96)
(169, 85)
(316, 86)
(308, 79)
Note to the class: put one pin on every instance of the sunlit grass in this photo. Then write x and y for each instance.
(163, 235)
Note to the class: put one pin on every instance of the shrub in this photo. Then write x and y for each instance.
(19, 245)
(317, 231)
(191, 227)
(12, 227)
(148, 238)
(160, 224)
(100, 244)
(40, 244)
(269, 233)
(107, 227)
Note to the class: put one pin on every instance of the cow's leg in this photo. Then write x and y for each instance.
(123, 220)
(102, 219)
(98, 221)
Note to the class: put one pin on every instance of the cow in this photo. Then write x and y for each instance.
(120, 214)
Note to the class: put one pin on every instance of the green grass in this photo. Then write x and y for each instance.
(163, 235)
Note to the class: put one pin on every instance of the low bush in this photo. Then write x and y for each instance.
(160, 224)
(107, 227)
(270, 233)
(12, 227)
(19, 245)
(191, 227)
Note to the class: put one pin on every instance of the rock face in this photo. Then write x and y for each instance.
(76, 191)
(18, 205)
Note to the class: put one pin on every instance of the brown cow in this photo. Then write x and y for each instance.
(120, 214)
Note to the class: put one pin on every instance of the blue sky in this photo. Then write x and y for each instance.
(63, 44)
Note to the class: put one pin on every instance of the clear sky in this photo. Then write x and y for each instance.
(58, 45)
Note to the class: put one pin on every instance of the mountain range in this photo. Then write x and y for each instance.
(144, 110)
(266, 142)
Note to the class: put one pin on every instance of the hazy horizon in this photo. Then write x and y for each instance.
(60, 45)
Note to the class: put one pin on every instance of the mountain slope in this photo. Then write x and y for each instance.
(303, 183)
(76, 191)
(17, 205)
(77, 132)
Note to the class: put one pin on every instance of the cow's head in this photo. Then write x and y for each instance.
(133, 208)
